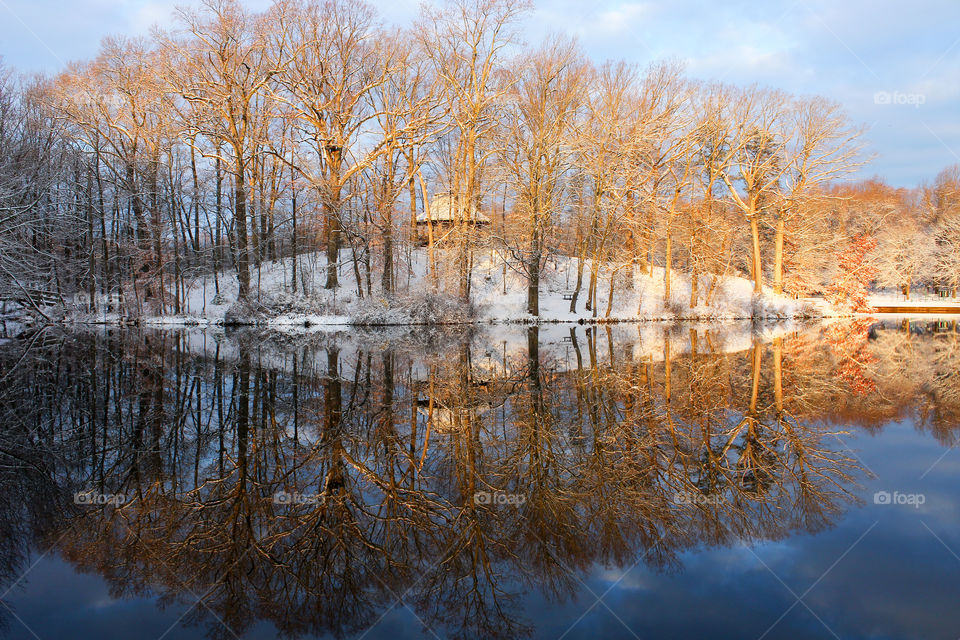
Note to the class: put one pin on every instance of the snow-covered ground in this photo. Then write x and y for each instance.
(498, 295)
(733, 297)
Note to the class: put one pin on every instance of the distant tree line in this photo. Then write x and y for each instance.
(313, 134)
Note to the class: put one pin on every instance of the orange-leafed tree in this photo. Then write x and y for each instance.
(855, 273)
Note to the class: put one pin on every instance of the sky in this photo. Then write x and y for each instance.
(893, 65)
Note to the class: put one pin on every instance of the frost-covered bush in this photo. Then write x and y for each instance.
(807, 309)
(252, 310)
(242, 312)
(722, 298)
(427, 307)
(283, 303)
(762, 306)
(438, 308)
(676, 306)
(378, 311)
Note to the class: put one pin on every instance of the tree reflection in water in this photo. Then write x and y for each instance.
(314, 482)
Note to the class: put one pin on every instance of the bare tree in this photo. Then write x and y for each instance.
(220, 69)
(534, 143)
(903, 254)
(824, 148)
(667, 152)
(467, 41)
(757, 159)
(604, 144)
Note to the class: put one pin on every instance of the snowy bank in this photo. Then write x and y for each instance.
(498, 296)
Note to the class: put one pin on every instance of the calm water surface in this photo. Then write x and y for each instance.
(709, 481)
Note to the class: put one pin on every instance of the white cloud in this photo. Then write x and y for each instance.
(624, 18)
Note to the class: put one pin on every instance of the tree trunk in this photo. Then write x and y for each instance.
(333, 240)
(91, 266)
(580, 255)
(592, 287)
(613, 277)
(778, 259)
(195, 240)
(387, 281)
(667, 261)
(778, 375)
(757, 269)
(217, 255)
(105, 285)
(413, 208)
(296, 244)
(667, 368)
(533, 267)
(465, 214)
(431, 258)
(332, 205)
(240, 215)
(755, 370)
(533, 293)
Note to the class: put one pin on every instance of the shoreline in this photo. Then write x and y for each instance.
(305, 321)
(280, 322)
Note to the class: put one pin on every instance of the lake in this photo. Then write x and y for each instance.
(563, 481)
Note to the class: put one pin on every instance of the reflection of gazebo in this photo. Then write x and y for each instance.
(447, 420)
(444, 215)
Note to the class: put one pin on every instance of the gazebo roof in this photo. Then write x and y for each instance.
(443, 209)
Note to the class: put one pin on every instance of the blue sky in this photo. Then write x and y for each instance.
(895, 66)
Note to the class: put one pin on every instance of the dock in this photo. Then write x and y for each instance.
(917, 309)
